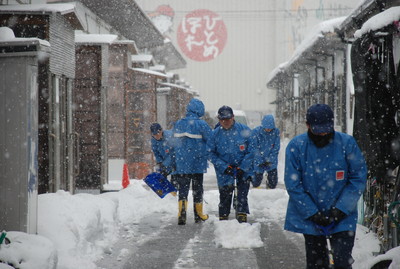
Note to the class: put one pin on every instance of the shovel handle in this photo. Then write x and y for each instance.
(326, 230)
(330, 252)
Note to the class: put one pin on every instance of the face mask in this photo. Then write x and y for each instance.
(321, 140)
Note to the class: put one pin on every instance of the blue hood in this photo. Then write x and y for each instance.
(195, 107)
(268, 122)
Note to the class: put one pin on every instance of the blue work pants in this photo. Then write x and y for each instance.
(272, 180)
(184, 186)
(226, 198)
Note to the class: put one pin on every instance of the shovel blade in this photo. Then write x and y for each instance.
(159, 184)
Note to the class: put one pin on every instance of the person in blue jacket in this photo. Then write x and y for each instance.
(228, 151)
(162, 147)
(191, 134)
(264, 145)
(325, 175)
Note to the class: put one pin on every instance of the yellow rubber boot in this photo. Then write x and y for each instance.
(182, 206)
(198, 213)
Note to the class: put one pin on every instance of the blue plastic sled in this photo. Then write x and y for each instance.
(159, 184)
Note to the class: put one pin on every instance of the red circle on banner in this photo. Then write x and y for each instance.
(202, 35)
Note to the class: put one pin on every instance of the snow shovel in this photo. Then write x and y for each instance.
(159, 184)
(326, 231)
(235, 198)
(4, 239)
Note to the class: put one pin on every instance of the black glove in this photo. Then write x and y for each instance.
(164, 170)
(229, 170)
(248, 180)
(264, 165)
(320, 219)
(239, 172)
(336, 215)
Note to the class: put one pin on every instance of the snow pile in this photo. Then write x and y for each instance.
(232, 234)
(365, 245)
(81, 226)
(6, 34)
(24, 250)
(393, 255)
(84, 226)
(271, 204)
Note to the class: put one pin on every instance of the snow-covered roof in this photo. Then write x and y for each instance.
(66, 9)
(379, 21)
(175, 85)
(95, 38)
(363, 9)
(129, 19)
(318, 32)
(142, 58)
(42, 8)
(237, 112)
(158, 67)
(127, 42)
(280, 68)
(150, 72)
(7, 37)
(169, 56)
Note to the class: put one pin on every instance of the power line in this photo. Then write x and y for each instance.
(275, 14)
(267, 10)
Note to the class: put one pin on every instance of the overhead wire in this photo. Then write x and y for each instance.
(272, 14)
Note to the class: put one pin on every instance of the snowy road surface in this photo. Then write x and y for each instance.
(164, 244)
(158, 242)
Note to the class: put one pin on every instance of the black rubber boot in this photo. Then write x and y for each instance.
(242, 217)
(223, 217)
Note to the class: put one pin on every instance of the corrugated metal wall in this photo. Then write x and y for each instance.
(62, 40)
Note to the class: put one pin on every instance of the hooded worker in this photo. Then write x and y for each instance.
(264, 146)
(325, 175)
(162, 147)
(191, 134)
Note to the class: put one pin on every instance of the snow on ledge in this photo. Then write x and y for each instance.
(150, 72)
(95, 38)
(61, 8)
(7, 36)
(379, 21)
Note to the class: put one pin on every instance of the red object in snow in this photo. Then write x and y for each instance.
(125, 176)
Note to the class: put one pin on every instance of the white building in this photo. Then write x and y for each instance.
(260, 34)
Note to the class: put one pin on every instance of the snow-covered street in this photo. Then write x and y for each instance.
(134, 228)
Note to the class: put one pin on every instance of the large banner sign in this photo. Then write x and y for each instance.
(202, 35)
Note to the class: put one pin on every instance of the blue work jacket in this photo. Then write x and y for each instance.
(163, 150)
(230, 147)
(318, 179)
(265, 148)
(191, 134)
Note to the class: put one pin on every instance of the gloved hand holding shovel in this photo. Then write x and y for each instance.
(326, 224)
(326, 230)
(264, 165)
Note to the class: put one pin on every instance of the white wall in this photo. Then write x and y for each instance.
(261, 35)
